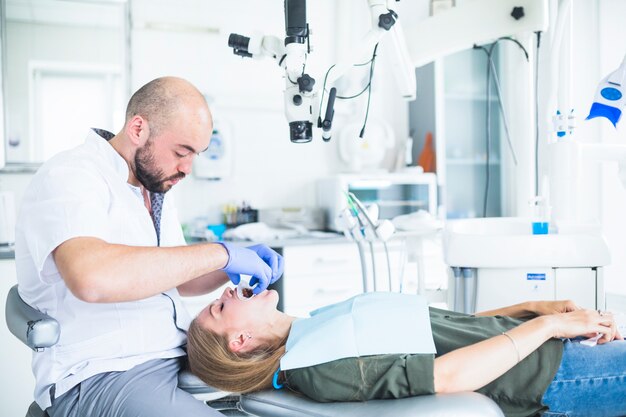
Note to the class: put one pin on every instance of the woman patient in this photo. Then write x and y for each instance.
(526, 357)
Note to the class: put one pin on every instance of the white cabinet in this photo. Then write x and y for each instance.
(534, 284)
(18, 383)
(318, 275)
(581, 285)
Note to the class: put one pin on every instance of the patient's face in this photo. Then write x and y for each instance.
(228, 314)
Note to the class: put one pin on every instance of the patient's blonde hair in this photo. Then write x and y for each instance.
(216, 365)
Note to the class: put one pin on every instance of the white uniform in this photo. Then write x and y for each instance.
(84, 192)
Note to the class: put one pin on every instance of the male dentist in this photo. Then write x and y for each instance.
(100, 249)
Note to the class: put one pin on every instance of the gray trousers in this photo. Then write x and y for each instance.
(150, 390)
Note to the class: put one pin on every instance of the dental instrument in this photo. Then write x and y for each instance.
(361, 224)
(609, 100)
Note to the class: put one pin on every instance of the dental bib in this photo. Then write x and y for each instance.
(367, 324)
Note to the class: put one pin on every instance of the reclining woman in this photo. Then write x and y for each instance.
(526, 357)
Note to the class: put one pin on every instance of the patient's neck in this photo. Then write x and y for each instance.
(281, 325)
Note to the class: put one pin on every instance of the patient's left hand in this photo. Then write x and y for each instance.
(543, 308)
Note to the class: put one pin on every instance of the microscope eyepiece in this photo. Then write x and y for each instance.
(301, 131)
(240, 44)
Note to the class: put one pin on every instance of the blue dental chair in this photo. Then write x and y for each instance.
(39, 331)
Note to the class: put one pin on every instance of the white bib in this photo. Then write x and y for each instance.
(367, 324)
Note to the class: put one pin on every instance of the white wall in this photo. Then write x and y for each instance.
(189, 39)
(585, 74)
(599, 45)
(612, 47)
(50, 36)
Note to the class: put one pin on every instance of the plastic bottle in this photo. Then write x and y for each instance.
(427, 158)
(541, 216)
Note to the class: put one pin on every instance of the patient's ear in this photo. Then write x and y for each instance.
(241, 342)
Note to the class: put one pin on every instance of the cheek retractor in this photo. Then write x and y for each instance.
(244, 290)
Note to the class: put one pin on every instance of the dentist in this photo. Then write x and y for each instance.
(100, 249)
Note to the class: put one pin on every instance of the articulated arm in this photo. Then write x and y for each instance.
(301, 93)
(471, 23)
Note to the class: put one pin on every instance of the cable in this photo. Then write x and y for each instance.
(362, 64)
(488, 141)
(403, 260)
(388, 265)
(491, 69)
(369, 94)
(368, 87)
(326, 79)
(508, 38)
(502, 112)
(355, 95)
(488, 123)
(375, 286)
(323, 90)
(342, 97)
(352, 198)
(372, 61)
(537, 115)
(363, 266)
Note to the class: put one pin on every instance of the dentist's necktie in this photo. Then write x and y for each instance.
(156, 202)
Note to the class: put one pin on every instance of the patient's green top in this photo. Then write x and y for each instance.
(518, 392)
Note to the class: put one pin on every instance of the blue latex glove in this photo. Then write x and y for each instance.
(246, 261)
(273, 259)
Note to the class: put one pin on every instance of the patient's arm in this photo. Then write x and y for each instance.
(518, 310)
(474, 366)
(532, 309)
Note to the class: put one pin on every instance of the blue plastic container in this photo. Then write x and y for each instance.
(217, 229)
(540, 228)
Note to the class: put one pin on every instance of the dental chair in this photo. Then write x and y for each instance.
(40, 331)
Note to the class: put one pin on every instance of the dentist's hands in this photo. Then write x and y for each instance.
(271, 258)
(262, 263)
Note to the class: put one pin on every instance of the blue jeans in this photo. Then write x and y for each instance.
(590, 382)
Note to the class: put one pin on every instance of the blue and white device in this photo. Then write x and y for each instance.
(609, 101)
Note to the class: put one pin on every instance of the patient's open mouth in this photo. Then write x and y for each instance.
(247, 292)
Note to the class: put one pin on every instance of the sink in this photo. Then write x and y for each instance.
(505, 242)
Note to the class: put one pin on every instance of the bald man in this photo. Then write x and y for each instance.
(100, 249)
